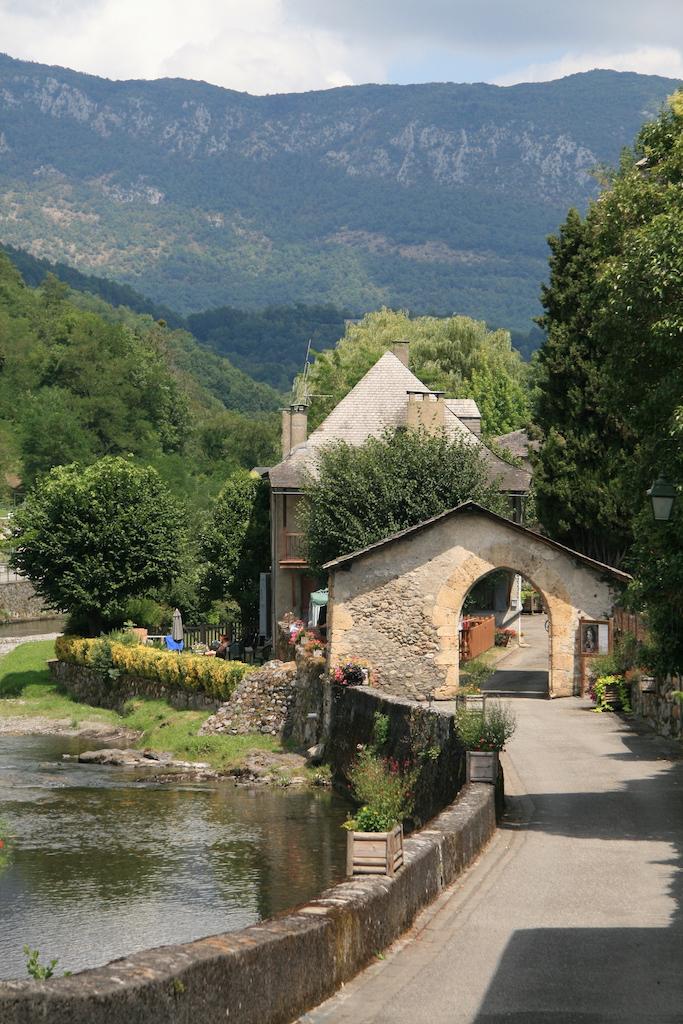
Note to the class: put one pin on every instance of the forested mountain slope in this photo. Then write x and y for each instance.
(79, 380)
(433, 197)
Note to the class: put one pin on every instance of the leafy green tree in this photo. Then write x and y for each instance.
(456, 354)
(235, 546)
(362, 494)
(90, 539)
(578, 472)
(611, 400)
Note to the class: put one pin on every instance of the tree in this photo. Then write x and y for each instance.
(363, 494)
(236, 544)
(90, 539)
(454, 354)
(611, 398)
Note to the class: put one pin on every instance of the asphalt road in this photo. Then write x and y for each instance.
(524, 671)
(573, 914)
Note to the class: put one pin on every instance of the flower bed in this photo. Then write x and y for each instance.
(214, 677)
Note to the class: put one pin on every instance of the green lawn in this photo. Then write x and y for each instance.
(26, 690)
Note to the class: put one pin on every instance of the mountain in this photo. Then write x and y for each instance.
(80, 379)
(269, 345)
(433, 197)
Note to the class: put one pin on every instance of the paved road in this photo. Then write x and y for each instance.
(524, 671)
(573, 915)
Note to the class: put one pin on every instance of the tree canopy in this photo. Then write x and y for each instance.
(363, 494)
(456, 354)
(235, 546)
(610, 375)
(90, 539)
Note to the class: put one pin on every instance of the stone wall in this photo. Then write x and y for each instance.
(660, 709)
(278, 699)
(19, 603)
(87, 686)
(398, 604)
(273, 972)
(424, 736)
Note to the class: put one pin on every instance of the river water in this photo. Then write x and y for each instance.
(101, 865)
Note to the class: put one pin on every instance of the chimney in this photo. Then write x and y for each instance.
(299, 428)
(286, 432)
(294, 428)
(426, 411)
(401, 351)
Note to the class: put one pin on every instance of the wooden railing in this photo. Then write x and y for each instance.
(292, 550)
(477, 636)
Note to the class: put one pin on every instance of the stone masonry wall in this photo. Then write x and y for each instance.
(421, 735)
(276, 699)
(87, 686)
(660, 708)
(398, 605)
(19, 603)
(273, 972)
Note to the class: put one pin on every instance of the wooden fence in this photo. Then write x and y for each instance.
(629, 622)
(476, 637)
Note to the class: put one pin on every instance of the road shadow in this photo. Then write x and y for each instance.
(517, 683)
(598, 975)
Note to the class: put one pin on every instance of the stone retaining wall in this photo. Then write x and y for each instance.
(660, 709)
(269, 973)
(417, 733)
(276, 699)
(88, 687)
(20, 603)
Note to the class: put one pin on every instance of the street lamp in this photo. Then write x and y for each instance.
(662, 494)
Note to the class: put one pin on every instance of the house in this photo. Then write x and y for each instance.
(388, 396)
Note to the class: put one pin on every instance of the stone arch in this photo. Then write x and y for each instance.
(397, 602)
(447, 611)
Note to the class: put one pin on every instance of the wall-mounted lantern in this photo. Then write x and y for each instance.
(662, 494)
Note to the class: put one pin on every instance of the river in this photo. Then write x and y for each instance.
(102, 864)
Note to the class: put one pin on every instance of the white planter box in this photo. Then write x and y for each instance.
(482, 766)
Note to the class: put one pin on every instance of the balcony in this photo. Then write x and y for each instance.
(291, 553)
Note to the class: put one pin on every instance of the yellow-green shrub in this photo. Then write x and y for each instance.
(212, 676)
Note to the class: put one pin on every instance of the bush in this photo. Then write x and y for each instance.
(381, 785)
(212, 676)
(486, 730)
(610, 693)
(474, 674)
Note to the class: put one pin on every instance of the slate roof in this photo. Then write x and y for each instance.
(379, 402)
(467, 508)
(518, 443)
(466, 407)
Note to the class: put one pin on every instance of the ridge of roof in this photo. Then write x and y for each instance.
(473, 506)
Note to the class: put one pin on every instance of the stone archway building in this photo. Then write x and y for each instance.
(397, 603)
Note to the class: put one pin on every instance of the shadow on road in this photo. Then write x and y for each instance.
(598, 975)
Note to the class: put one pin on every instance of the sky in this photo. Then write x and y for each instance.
(266, 46)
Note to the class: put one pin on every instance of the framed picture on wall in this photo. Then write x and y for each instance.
(594, 637)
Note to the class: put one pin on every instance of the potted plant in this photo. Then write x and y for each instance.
(474, 674)
(384, 789)
(484, 734)
(505, 636)
(610, 693)
(351, 673)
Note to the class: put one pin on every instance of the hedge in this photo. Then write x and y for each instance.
(215, 677)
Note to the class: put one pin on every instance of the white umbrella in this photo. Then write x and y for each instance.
(177, 629)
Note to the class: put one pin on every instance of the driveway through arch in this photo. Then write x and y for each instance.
(397, 602)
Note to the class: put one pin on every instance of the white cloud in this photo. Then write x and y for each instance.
(247, 46)
(648, 60)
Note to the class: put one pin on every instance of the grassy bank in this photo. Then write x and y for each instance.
(27, 690)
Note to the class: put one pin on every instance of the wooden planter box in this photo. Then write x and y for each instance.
(482, 766)
(471, 701)
(374, 853)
